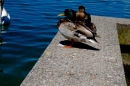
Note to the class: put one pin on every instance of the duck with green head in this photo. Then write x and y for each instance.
(70, 15)
(72, 31)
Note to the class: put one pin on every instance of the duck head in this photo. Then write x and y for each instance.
(70, 14)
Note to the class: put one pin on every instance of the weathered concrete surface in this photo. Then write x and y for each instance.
(82, 65)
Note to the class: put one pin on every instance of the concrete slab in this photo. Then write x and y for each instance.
(84, 64)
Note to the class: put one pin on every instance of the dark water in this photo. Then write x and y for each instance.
(33, 25)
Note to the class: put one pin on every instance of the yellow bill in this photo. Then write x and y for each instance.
(62, 14)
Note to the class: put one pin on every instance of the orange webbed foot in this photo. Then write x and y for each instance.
(69, 46)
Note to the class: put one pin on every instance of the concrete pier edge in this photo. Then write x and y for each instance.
(82, 65)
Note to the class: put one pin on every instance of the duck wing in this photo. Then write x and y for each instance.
(84, 31)
(92, 31)
(87, 33)
(76, 29)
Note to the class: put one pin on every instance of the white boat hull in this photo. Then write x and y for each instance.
(5, 18)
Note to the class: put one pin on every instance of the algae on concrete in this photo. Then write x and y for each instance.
(124, 40)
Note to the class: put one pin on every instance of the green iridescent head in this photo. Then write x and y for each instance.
(69, 13)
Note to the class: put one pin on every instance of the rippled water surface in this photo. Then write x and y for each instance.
(33, 25)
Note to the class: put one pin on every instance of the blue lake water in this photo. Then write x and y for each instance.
(33, 26)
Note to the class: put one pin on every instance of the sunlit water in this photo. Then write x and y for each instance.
(33, 25)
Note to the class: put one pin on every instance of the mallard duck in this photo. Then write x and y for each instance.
(5, 17)
(74, 32)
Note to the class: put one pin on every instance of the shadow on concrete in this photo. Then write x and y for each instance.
(79, 45)
(125, 48)
(127, 70)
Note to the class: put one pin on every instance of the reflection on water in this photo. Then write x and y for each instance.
(3, 28)
(0, 41)
(33, 25)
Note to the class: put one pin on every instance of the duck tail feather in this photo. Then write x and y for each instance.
(93, 41)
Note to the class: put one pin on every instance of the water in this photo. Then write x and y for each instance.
(33, 25)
